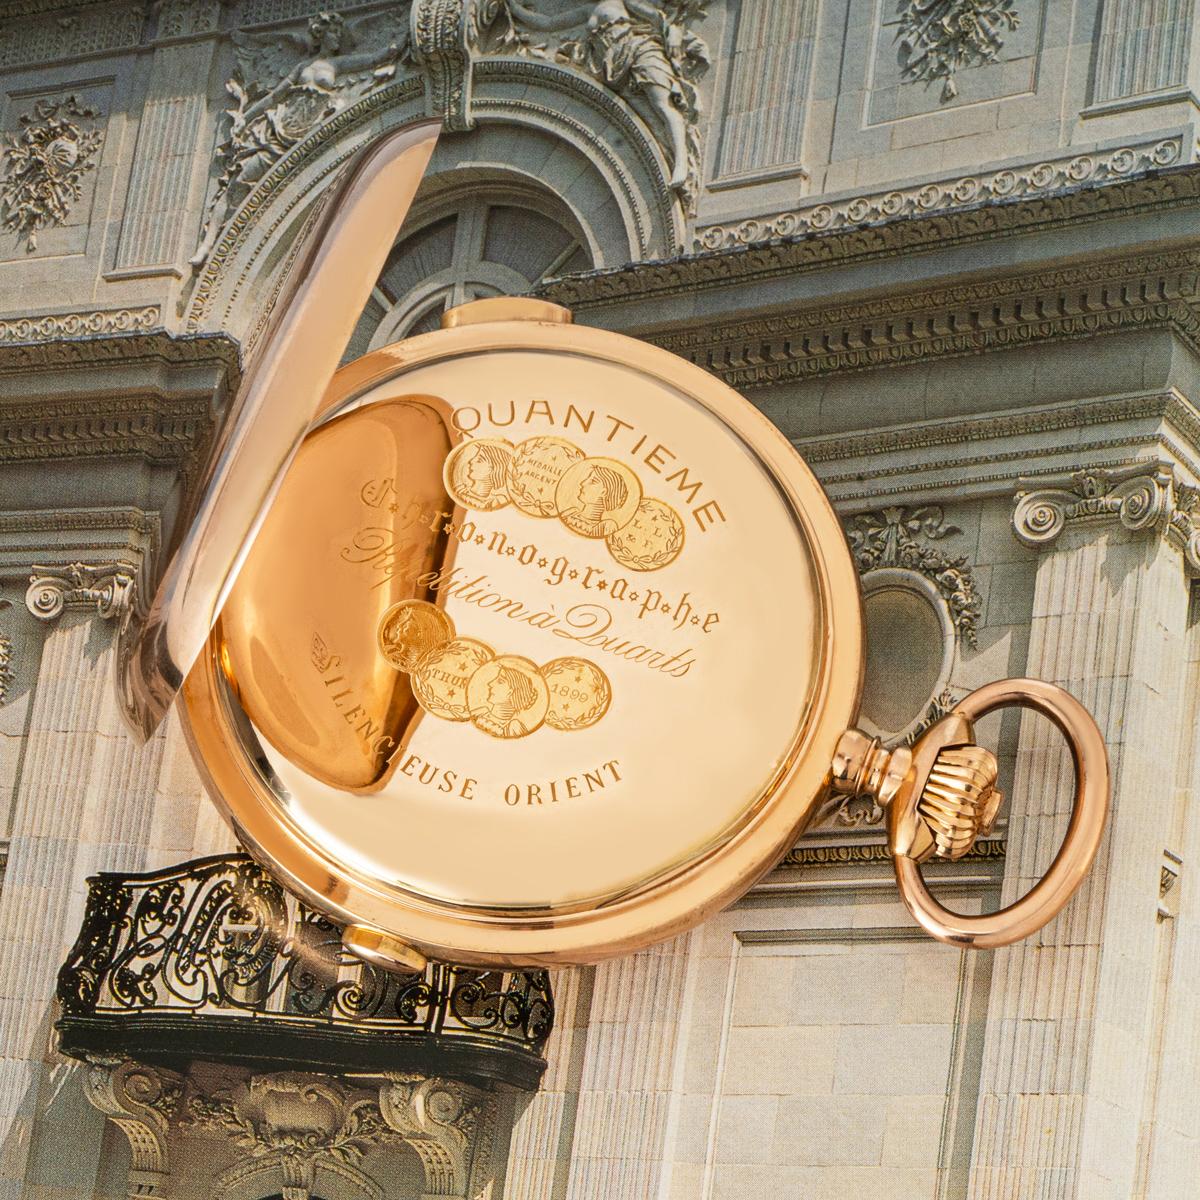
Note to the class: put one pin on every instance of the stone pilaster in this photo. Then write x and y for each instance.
(1169, 1157)
(766, 103)
(625, 1092)
(1070, 1029)
(1144, 47)
(83, 804)
(42, 899)
(156, 215)
(540, 1157)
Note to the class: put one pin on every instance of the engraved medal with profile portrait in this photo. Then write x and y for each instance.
(541, 644)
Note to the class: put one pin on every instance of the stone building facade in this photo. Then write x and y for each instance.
(949, 247)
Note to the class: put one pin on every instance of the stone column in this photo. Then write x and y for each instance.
(539, 1161)
(628, 1076)
(1144, 47)
(82, 804)
(1070, 1021)
(1169, 1158)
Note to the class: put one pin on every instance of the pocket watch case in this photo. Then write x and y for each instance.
(529, 643)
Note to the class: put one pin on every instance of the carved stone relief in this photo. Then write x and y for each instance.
(438, 1118)
(286, 85)
(647, 53)
(293, 1122)
(44, 165)
(938, 38)
(283, 86)
(179, 18)
(30, 35)
(1142, 498)
(284, 1131)
(899, 537)
(141, 1101)
(7, 671)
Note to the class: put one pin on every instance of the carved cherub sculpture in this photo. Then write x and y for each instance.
(286, 84)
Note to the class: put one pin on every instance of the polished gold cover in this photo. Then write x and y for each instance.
(543, 649)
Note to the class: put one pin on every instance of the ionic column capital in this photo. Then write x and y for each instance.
(110, 588)
(1146, 497)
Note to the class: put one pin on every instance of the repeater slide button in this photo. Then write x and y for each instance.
(381, 949)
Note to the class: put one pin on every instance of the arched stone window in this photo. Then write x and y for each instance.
(474, 241)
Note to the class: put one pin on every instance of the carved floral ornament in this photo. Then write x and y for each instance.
(1143, 498)
(899, 537)
(938, 38)
(44, 165)
(6, 667)
(294, 1124)
(284, 86)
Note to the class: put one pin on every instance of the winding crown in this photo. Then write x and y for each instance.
(959, 800)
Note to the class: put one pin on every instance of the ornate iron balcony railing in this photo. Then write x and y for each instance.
(212, 959)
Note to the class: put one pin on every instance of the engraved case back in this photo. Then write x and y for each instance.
(531, 632)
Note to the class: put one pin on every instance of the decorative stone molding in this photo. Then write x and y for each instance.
(1168, 877)
(184, 18)
(6, 667)
(290, 1131)
(1142, 498)
(80, 324)
(646, 56)
(1011, 183)
(44, 165)
(438, 1118)
(108, 587)
(141, 1101)
(938, 38)
(1167, 407)
(442, 41)
(292, 1122)
(1177, 190)
(26, 36)
(898, 537)
(867, 853)
(169, 432)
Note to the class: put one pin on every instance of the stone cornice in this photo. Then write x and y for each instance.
(1144, 498)
(1168, 406)
(1017, 181)
(1174, 187)
(71, 343)
(1135, 291)
(161, 431)
(128, 413)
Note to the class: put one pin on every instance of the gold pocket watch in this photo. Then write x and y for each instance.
(520, 642)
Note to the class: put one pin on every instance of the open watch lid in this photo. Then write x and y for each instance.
(540, 644)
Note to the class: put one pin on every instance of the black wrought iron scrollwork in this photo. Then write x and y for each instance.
(219, 935)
